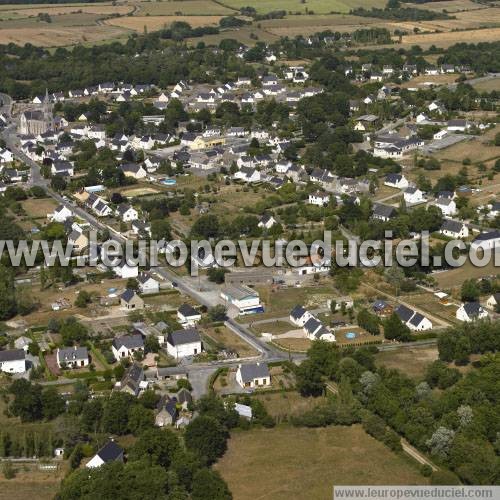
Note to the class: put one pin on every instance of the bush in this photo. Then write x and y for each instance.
(426, 470)
(8, 470)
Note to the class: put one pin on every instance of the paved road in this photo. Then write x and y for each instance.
(199, 374)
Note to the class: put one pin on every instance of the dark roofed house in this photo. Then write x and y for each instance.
(253, 375)
(454, 229)
(297, 315)
(184, 398)
(404, 313)
(188, 316)
(131, 381)
(72, 357)
(127, 345)
(471, 311)
(383, 212)
(183, 343)
(167, 412)
(13, 361)
(110, 452)
(130, 300)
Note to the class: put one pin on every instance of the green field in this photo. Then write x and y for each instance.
(296, 6)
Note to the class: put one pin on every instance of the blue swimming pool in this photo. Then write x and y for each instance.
(350, 335)
(169, 182)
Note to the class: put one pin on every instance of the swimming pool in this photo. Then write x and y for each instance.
(350, 335)
(169, 182)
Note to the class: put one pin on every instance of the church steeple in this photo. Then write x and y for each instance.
(47, 111)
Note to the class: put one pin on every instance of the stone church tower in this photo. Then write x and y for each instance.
(38, 121)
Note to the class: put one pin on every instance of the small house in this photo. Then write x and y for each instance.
(188, 316)
(184, 343)
(471, 311)
(130, 300)
(253, 375)
(110, 452)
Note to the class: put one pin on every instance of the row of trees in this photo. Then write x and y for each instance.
(458, 425)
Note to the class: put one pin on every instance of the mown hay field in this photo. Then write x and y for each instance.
(287, 462)
(185, 8)
(154, 23)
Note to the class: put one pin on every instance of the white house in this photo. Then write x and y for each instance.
(421, 118)
(471, 311)
(248, 174)
(282, 166)
(383, 212)
(419, 323)
(127, 213)
(188, 316)
(440, 135)
(458, 125)
(396, 180)
(134, 170)
(267, 221)
(141, 227)
(72, 357)
(245, 299)
(447, 206)
(110, 452)
(253, 375)
(319, 198)
(299, 316)
(316, 330)
(148, 284)
(60, 214)
(13, 361)
(486, 241)
(454, 229)
(412, 319)
(493, 301)
(124, 347)
(184, 343)
(123, 270)
(413, 195)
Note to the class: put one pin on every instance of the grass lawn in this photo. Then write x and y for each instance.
(30, 482)
(225, 337)
(285, 462)
(478, 149)
(38, 208)
(280, 302)
(286, 404)
(166, 300)
(275, 327)
(412, 362)
(455, 277)
(293, 344)
(488, 86)
(430, 303)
